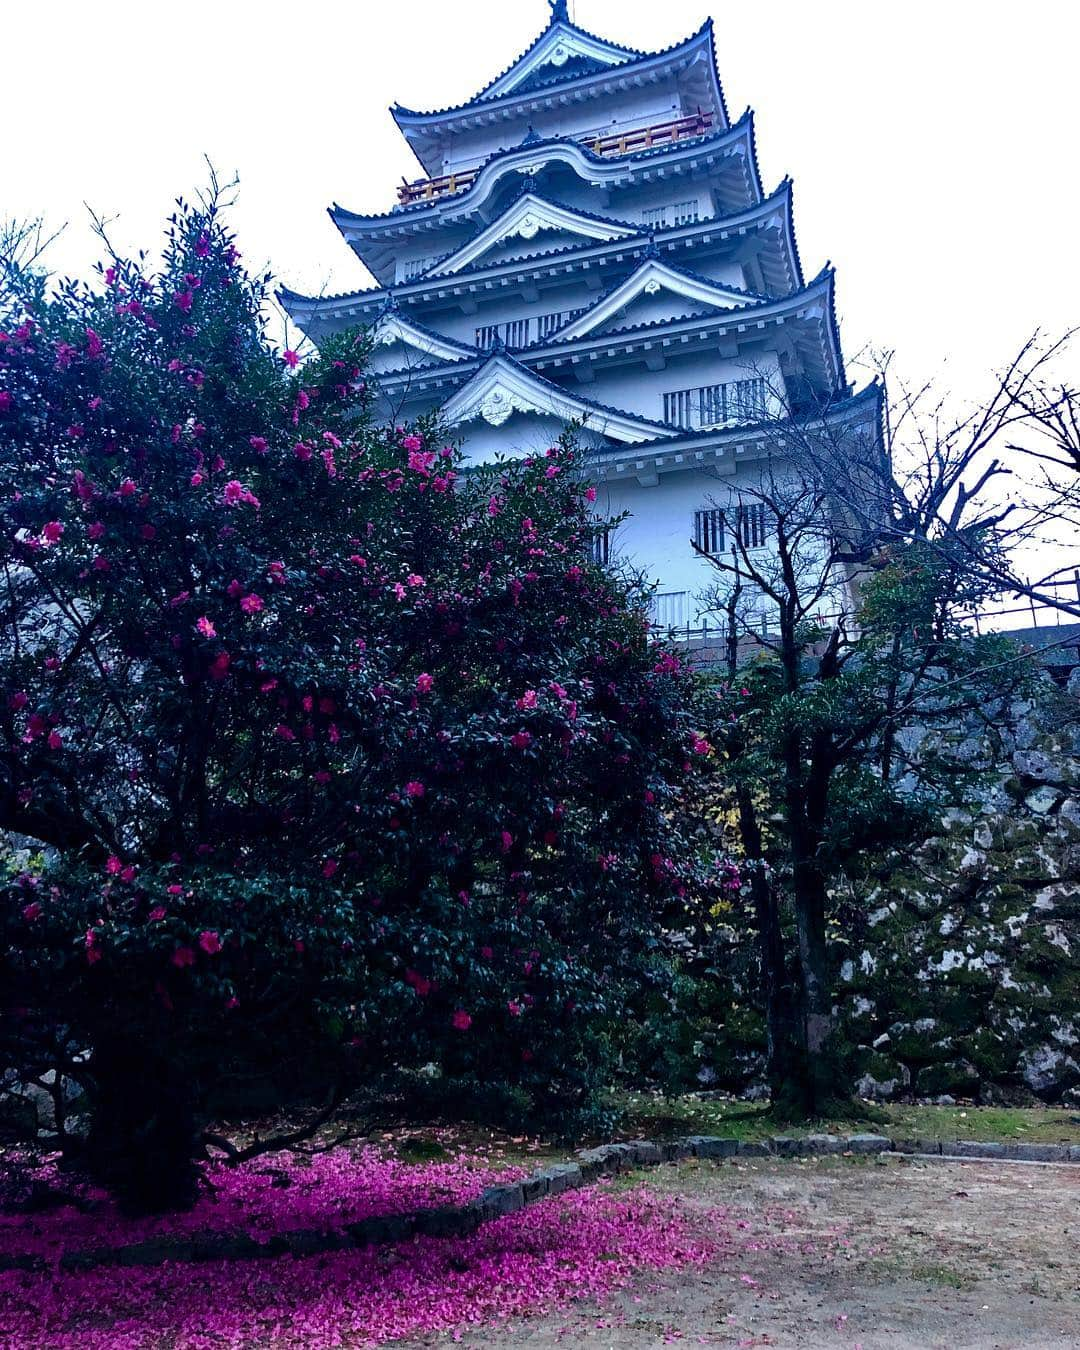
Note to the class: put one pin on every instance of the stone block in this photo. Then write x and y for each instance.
(561, 1177)
(499, 1200)
(646, 1154)
(867, 1143)
(712, 1146)
(1037, 1152)
(821, 1143)
(971, 1148)
(785, 1145)
(754, 1149)
(384, 1228)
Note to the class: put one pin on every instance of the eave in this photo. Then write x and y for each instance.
(610, 171)
(771, 213)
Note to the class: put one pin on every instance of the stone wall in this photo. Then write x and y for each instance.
(963, 978)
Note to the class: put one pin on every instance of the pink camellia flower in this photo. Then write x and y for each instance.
(528, 699)
(424, 682)
(291, 359)
(182, 300)
(514, 1008)
(414, 789)
(419, 982)
(411, 443)
(232, 1002)
(209, 941)
(258, 444)
(590, 494)
(521, 740)
(156, 914)
(19, 700)
(302, 452)
(113, 865)
(205, 628)
(126, 488)
(329, 867)
(414, 580)
(252, 604)
(183, 956)
(31, 911)
(284, 733)
(233, 492)
(6, 400)
(52, 531)
(219, 666)
(507, 840)
(55, 740)
(175, 889)
(700, 745)
(461, 1021)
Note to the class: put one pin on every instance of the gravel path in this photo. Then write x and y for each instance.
(890, 1254)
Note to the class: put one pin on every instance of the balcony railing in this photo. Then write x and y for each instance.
(608, 143)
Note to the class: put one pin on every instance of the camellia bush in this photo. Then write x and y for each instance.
(325, 756)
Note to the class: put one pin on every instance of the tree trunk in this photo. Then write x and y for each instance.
(143, 1138)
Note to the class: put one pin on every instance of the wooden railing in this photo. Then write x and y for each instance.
(610, 143)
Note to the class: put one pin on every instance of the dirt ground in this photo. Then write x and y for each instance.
(896, 1254)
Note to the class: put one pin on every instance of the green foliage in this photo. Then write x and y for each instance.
(344, 759)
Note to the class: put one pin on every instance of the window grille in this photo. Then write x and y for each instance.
(685, 213)
(669, 609)
(601, 547)
(709, 531)
(746, 523)
(716, 405)
(520, 332)
(655, 215)
(412, 268)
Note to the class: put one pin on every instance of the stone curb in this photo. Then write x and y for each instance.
(497, 1201)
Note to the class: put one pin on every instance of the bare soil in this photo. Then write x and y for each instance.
(846, 1254)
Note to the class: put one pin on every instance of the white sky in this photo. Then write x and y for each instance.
(932, 142)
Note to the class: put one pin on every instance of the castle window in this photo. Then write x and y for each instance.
(716, 405)
(601, 547)
(745, 522)
(655, 216)
(709, 530)
(669, 609)
(685, 213)
(412, 268)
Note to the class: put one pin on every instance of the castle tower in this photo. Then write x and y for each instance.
(591, 242)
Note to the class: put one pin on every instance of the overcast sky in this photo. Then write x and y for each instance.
(932, 142)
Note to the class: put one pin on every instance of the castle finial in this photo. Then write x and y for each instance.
(558, 11)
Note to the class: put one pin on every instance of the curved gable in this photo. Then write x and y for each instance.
(529, 216)
(649, 280)
(502, 387)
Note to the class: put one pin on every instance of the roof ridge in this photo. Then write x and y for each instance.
(635, 54)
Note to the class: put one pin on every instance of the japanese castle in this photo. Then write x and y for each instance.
(591, 243)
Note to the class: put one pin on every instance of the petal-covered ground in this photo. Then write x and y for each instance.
(265, 1196)
(581, 1245)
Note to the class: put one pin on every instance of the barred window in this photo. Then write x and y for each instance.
(716, 405)
(655, 215)
(669, 609)
(709, 530)
(411, 269)
(746, 524)
(685, 213)
(601, 547)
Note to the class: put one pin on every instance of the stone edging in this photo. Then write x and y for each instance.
(496, 1201)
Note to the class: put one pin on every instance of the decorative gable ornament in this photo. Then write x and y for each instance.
(503, 386)
(525, 218)
(650, 278)
(393, 328)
